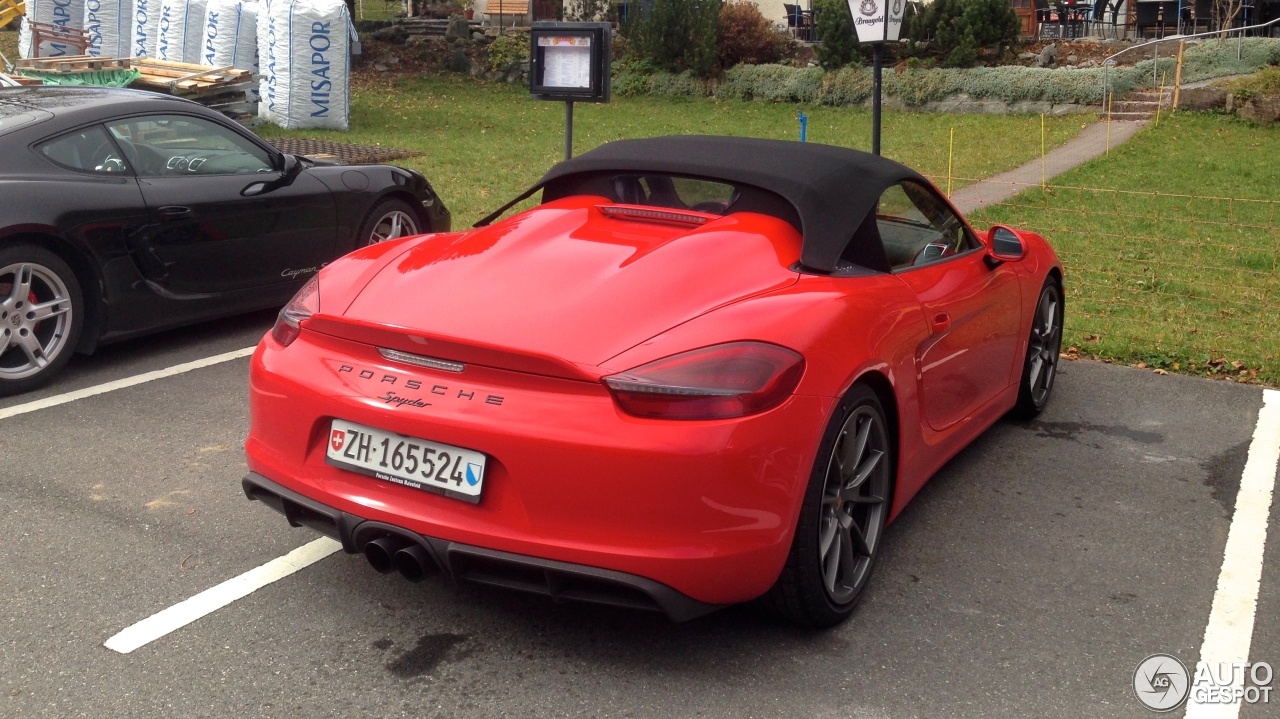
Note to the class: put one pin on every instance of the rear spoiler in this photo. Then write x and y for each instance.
(453, 349)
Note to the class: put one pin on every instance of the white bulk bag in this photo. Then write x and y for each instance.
(67, 13)
(146, 27)
(181, 30)
(308, 63)
(110, 26)
(231, 35)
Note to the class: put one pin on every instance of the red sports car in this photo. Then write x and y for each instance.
(704, 370)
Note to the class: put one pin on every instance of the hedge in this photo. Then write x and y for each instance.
(852, 86)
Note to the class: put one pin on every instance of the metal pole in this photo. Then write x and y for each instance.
(876, 54)
(568, 130)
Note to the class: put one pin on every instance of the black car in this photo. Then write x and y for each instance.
(126, 212)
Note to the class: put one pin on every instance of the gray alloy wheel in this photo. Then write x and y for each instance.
(393, 223)
(36, 317)
(1043, 347)
(853, 504)
(842, 518)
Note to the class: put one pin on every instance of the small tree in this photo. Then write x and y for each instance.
(838, 44)
(960, 27)
(585, 10)
(747, 36)
(679, 35)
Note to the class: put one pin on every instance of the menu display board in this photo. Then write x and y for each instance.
(570, 61)
(567, 61)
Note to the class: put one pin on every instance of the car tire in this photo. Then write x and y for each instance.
(846, 504)
(39, 327)
(389, 220)
(1040, 368)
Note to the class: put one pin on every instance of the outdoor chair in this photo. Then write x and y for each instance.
(1107, 15)
(1044, 18)
(799, 22)
(1066, 21)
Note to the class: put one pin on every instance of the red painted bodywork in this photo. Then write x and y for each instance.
(542, 305)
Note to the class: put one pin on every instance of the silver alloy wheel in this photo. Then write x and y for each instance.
(35, 319)
(395, 223)
(1046, 342)
(853, 504)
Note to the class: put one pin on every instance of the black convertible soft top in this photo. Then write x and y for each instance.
(832, 189)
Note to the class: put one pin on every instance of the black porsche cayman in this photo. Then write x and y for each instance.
(126, 212)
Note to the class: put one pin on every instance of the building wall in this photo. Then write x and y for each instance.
(771, 9)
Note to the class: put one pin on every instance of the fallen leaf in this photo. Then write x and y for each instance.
(1142, 365)
(1161, 371)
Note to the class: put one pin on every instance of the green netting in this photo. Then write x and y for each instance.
(98, 78)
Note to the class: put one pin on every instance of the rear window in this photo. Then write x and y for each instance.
(674, 192)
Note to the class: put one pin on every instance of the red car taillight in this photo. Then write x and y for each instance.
(719, 382)
(303, 305)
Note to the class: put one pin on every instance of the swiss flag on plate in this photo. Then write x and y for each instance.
(337, 439)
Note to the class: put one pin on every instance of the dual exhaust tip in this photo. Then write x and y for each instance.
(397, 554)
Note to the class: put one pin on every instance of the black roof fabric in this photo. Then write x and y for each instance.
(833, 189)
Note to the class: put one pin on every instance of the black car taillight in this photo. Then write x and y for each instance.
(303, 305)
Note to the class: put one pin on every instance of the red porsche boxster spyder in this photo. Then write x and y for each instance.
(702, 371)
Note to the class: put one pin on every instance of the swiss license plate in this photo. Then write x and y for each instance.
(408, 461)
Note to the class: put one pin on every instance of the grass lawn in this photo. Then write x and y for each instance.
(1174, 261)
(484, 143)
(9, 44)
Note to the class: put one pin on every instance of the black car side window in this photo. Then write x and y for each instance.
(917, 228)
(176, 146)
(86, 150)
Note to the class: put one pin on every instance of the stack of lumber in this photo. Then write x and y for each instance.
(71, 64)
(226, 89)
(186, 80)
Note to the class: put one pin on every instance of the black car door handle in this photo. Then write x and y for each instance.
(174, 213)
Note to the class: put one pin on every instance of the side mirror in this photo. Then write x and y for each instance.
(1003, 245)
(291, 168)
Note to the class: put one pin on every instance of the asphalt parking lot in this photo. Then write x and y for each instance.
(1028, 578)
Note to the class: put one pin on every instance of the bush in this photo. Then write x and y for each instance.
(747, 36)
(960, 27)
(507, 49)
(839, 43)
(1266, 82)
(916, 87)
(679, 35)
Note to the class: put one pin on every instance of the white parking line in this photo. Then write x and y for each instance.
(1230, 629)
(212, 599)
(114, 385)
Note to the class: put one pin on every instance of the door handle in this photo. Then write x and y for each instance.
(174, 213)
(941, 323)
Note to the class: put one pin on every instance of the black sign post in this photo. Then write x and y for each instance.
(877, 22)
(570, 62)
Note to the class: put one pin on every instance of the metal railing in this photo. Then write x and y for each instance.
(1110, 61)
